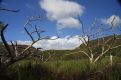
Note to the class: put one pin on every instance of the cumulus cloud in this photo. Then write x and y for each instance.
(70, 22)
(23, 42)
(113, 21)
(65, 43)
(64, 12)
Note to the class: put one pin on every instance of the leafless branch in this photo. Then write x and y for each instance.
(10, 10)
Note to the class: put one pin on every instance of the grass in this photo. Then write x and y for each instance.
(66, 65)
(65, 70)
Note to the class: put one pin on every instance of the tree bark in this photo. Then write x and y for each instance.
(5, 42)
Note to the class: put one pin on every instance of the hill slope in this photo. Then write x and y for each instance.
(69, 54)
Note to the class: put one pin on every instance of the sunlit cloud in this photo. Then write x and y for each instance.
(65, 43)
(113, 21)
(64, 12)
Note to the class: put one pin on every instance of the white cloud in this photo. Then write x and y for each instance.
(23, 42)
(65, 43)
(63, 10)
(68, 22)
(113, 21)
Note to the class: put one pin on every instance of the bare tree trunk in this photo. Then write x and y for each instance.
(5, 42)
(91, 58)
(111, 60)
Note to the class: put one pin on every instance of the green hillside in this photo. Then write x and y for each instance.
(69, 54)
(76, 54)
(63, 64)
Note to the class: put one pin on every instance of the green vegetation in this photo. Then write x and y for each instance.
(33, 69)
(63, 65)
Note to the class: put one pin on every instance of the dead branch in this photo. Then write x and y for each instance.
(5, 42)
(29, 34)
(10, 10)
(105, 44)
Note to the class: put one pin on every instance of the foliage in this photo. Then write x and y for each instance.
(34, 69)
(64, 65)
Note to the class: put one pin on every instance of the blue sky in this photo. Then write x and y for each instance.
(92, 9)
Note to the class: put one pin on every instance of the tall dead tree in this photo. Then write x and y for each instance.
(5, 42)
(38, 32)
(96, 44)
(14, 54)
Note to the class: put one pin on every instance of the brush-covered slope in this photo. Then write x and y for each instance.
(71, 54)
(76, 54)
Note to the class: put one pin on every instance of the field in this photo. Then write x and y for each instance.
(63, 65)
(33, 69)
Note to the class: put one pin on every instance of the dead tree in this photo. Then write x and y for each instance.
(96, 45)
(38, 32)
(46, 56)
(5, 42)
(14, 54)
